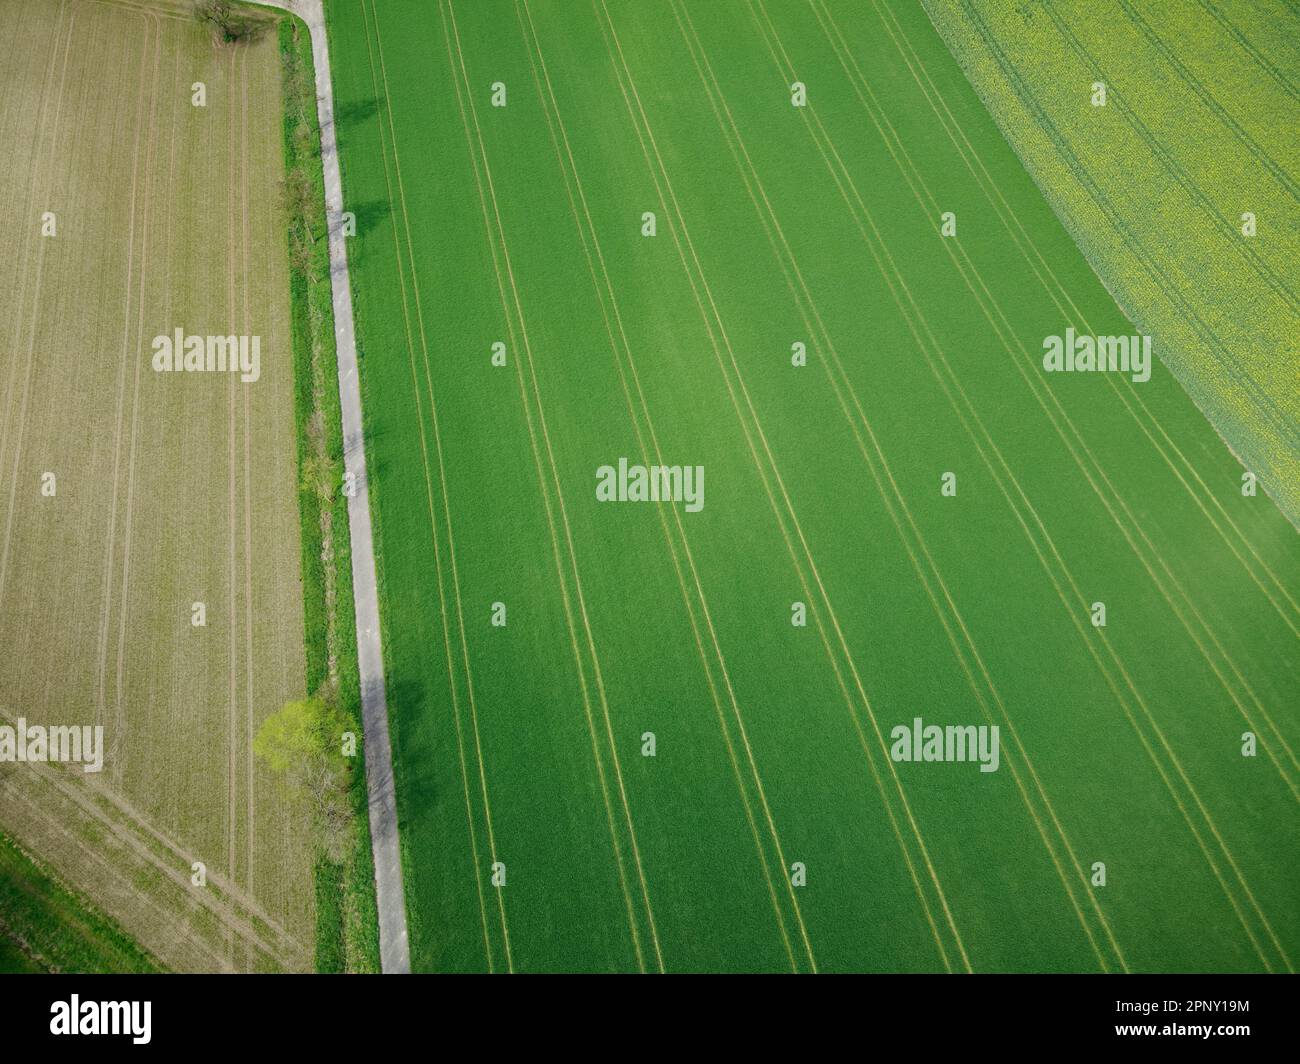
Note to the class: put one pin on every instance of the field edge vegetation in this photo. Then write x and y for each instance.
(54, 929)
(347, 922)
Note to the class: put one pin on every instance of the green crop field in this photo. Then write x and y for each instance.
(712, 233)
(128, 496)
(1182, 188)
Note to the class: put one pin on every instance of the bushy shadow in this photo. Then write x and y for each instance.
(349, 116)
(370, 214)
(355, 112)
(416, 778)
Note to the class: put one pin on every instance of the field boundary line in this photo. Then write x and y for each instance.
(287, 953)
(1111, 651)
(671, 200)
(90, 788)
(184, 928)
(480, 758)
(1141, 702)
(1058, 293)
(1144, 132)
(914, 169)
(394, 946)
(958, 256)
(107, 792)
(1013, 76)
(481, 158)
(521, 7)
(1225, 357)
(1073, 440)
(291, 658)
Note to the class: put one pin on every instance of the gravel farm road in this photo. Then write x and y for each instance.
(394, 949)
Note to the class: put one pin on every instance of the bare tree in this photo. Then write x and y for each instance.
(228, 25)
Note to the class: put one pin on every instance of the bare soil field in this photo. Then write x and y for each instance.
(129, 496)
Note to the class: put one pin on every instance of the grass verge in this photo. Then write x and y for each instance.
(347, 923)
